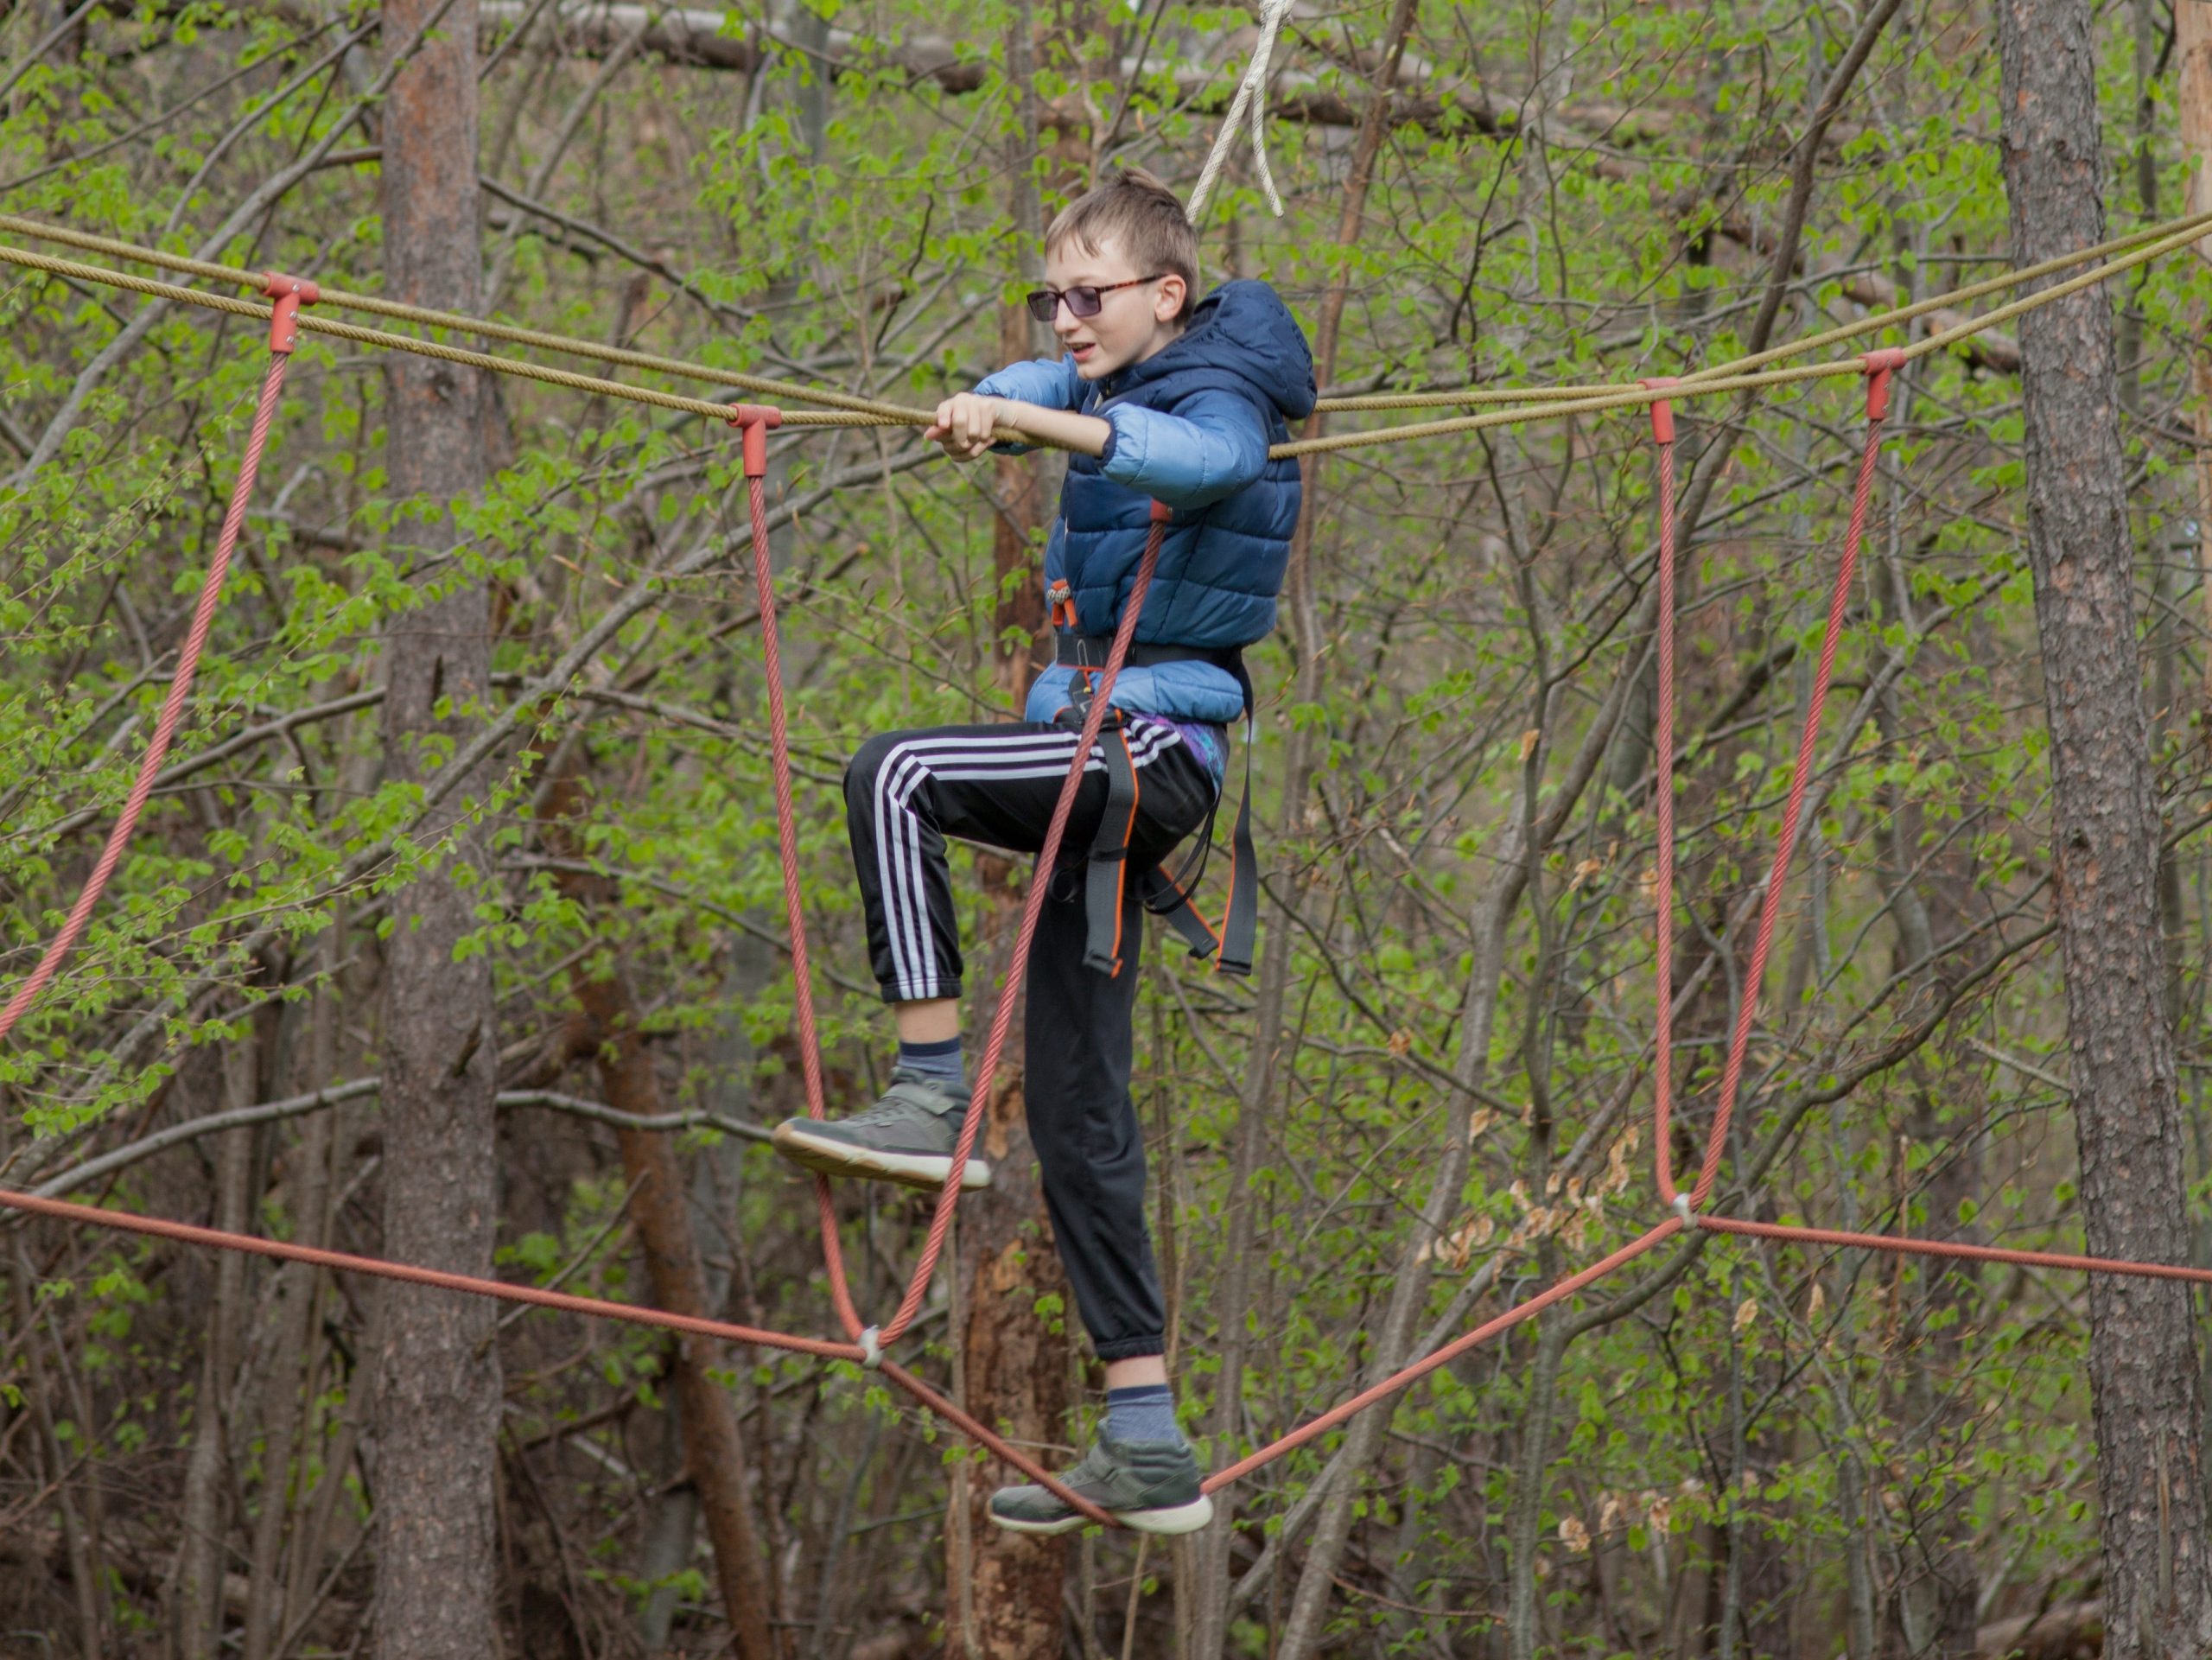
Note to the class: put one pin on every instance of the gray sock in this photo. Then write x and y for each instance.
(1144, 1412)
(940, 1062)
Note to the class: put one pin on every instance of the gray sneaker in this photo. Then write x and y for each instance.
(908, 1136)
(1152, 1487)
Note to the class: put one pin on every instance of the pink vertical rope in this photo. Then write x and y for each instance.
(1879, 365)
(1033, 906)
(1662, 1059)
(283, 326)
(756, 423)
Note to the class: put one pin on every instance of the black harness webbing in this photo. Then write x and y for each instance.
(1167, 897)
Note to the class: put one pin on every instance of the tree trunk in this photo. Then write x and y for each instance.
(661, 1211)
(1015, 1372)
(1939, 1596)
(436, 1363)
(206, 1484)
(2192, 52)
(1016, 1379)
(2144, 1381)
(295, 1293)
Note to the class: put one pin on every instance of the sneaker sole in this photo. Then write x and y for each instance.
(835, 1158)
(1168, 1519)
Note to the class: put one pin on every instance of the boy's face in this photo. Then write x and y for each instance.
(1132, 323)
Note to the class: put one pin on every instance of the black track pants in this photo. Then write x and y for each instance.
(906, 793)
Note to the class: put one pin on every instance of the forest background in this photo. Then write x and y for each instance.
(1432, 1099)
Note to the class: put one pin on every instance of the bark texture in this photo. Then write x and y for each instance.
(200, 1623)
(436, 1361)
(660, 1209)
(2146, 1395)
(1016, 1379)
(2193, 85)
(1015, 1371)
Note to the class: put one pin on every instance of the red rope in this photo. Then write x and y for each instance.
(1033, 906)
(1662, 1059)
(409, 1274)
(187, 664)
(1900, 1245)
(1879, 365)
(755, 424)
(592, 1307)
(1451, 1351)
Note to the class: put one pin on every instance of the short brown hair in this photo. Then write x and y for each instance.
(1143, 216)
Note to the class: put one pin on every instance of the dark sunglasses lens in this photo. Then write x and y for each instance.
(1083, 302)
(1042, 304)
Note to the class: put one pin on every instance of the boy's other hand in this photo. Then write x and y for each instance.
(963, 424)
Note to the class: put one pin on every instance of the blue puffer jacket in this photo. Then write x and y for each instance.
(1192, 427)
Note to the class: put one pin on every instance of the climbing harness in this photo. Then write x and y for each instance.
(1169, 898)
(867, 1344)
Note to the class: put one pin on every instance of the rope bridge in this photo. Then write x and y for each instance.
(284, 306)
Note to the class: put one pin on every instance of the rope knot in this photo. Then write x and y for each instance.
(871, 1348)
(1682, 1210)
(1250, 102)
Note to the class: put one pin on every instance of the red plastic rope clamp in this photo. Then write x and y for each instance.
(756, 422)
(1662, 412)
(1161, 512)
(290, 293)
(1877, 367)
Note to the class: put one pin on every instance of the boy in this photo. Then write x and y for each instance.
(1184, 400)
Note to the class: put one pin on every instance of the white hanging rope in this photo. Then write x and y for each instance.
(1251, 98)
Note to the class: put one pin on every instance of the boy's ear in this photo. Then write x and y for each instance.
(1167, 299)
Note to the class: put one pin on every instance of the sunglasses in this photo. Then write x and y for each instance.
(1084, 299)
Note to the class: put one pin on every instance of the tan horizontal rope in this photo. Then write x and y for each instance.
(1728, 377)
(345, 331)
(780, 391)
(1534, 404)
(1868, 325)
(2188, 228)
(1462, 395)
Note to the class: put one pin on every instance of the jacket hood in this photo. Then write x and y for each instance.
(1243, 329)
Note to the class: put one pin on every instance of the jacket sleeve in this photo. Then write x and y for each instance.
(1212, 446)
(1051, 383)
